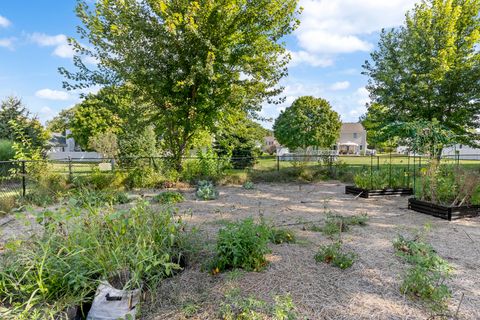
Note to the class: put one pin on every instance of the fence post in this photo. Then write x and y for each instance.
(371, 172)
(390, 172)
(278, 163)
(112, 164)
(414, 177)
(70, 171)
(24, 182)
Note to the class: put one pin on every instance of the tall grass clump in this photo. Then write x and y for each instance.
(62, 266)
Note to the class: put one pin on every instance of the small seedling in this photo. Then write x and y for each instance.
(333, 254)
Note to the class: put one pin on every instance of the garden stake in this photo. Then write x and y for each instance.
(459, 304)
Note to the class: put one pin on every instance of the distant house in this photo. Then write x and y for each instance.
(63, 147)
(462, 152)
(270, 144)
(353, 139)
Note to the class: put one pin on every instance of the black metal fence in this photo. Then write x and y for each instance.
(17, 177)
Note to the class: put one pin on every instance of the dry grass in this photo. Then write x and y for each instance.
(368, 290)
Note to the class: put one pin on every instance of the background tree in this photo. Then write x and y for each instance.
(240, 139)
(430, 69)
(105, 143)
(308, 122)
(16, 121)
(90, 118)
(61, 122)
(193, 62)
(377, 138)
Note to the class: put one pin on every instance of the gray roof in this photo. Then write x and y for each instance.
(351, 127)
(57, 140)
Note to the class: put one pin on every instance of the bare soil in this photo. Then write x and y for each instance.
(367, 290)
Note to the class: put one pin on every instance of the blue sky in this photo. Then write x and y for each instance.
(328, 50)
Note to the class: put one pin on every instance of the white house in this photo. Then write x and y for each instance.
(462, 152)
(353, 139)
(63, 147)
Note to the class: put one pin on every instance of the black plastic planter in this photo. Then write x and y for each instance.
(367, 193)
(444, 212)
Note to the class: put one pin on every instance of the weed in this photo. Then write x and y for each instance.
(333, 254)
(279, 236)
(190, 309)
(169, 197)
(426, 277)
(237, 307)
(206, 190)
(241, 244)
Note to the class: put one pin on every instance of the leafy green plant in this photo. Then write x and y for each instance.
(62, 266)
(237, 307)
(279, 236)
(241, 244)
(169, 197)
(88, 198)
(248, 185)
(426, 278)
(207, 166)
(144, 177)
(333, 254)
(378, 179)
(206, 190)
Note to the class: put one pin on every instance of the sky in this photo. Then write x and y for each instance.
(334, 39)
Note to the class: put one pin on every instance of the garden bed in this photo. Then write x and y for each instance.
(367, 193)
(445, 212)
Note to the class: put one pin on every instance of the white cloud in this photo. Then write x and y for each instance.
(299, 57)
(7, 43)
(50, 94)
(60, 42)
(342, 85)
(329, 28)
(4, 22)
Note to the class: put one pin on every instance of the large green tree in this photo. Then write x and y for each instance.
(192, 61)
(308, 122)
(429, 69)
(16, 121)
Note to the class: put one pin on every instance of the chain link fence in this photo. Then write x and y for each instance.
(17, 177)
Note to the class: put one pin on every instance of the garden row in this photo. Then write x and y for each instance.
(444, 191)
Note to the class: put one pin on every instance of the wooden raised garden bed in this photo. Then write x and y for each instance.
(444, 212)
(367, 193)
